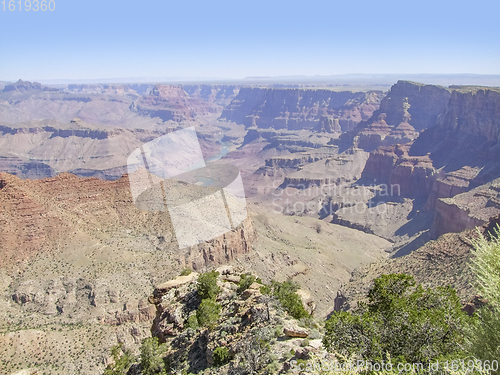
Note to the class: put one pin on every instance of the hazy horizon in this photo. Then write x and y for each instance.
(355, 79)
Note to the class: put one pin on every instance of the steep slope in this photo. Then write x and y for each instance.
(42, 216)
(49, 147)
(296, 109)
(467, 210)
(218, 94)
(408, 108)
(438, 263)
(80, 260)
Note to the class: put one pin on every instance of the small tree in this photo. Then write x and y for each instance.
(221, 356)
(208, 313)
(285, 292)
(186, 271)
(207, 285)
(152, 356)
(246, 280)
(401, 320)
(122, 360)
(192, 322)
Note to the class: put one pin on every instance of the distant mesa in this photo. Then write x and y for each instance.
(24, 86)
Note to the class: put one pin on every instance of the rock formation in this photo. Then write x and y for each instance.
(296, 109)
(407, 109)
(476, 207)
(251, 326)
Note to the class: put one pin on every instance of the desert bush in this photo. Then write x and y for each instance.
(314, 334)
(208, 313)
(254, 355)
(246, 280)
(266, 289)
(401, 321)
(285, 293)
(484, 335)
(122, 359)
(186, 271)
(278, 330)
(207, 285)
(318, 227)
(308, 322)
(221, 356)
(192, 322)
(152, 356)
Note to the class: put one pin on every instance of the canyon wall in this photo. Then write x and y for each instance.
(407, 109)
(296, 109)
(458, 153)
(219, 94)
(476, 207)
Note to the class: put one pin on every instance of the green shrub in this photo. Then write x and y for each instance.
(484, 335)
(207, 285)
(186, 271)
(152, 356)
(402, 321)
(122, 359)
(221, 356)
(278, 330)
(285, 293)
(246, 280)
(266, 289)
(192, 322)
(208, 313)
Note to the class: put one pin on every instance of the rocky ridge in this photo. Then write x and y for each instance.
(250, 323)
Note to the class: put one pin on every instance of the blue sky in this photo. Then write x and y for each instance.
(234, 39)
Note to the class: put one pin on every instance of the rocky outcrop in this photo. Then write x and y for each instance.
(296, 109)
(25, 169)
(289, 141)
(295, 331)
(459, 152)
(407, 109)
(247, 318)
(414, 175)
(466, 134)
(43, 148)
(172, 103)
(424, 103)
(78, 299)
(293, 161)
(304, 182)
(476, 207)
(222, 249)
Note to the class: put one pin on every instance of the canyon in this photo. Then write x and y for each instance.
(340, 187)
